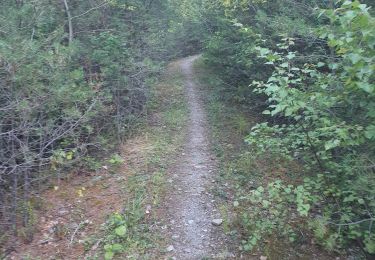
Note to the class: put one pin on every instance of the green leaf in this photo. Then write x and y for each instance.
(263, 51)
(69, 156)
(266, 112)
(117, 247)
(370, 132)
(108, 247)
(284, 65)
(369, 88)
(361, 201)
(121, 230)
(370, 244)
(108, 255)
(265, 203)
(331, 144)
(354, 57)
(290, 55)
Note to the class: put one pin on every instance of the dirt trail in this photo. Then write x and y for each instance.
(190, 206)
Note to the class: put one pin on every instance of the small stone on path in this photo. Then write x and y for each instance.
(217, 222)
(170, 248)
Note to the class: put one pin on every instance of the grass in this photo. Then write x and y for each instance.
(145, 185)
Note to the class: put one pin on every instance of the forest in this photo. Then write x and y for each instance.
(289, 91)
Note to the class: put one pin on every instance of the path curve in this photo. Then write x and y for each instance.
(190, 207)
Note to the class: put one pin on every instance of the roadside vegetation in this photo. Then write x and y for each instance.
(114, 211)
(304, 71)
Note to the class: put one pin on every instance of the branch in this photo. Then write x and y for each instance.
(352, 223)
(91, 9)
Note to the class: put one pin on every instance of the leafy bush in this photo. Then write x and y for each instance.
(328, 107)
(316, 85)
(74, 79)
(269, 211)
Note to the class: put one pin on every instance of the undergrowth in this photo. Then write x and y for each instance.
(131, 233)
(268, 222)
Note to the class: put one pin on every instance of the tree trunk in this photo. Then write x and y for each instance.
(70, 25)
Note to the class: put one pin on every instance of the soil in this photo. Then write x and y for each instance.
(71, 212)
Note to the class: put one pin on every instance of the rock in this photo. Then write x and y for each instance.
(191, 221)
(148, 209)
(62, 212)
(170, 248)
(263, 258)
(96, 179)
(217, 222)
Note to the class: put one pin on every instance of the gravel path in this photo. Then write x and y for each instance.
(191, 211)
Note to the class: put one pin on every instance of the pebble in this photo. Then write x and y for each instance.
(170, 248)
(148, 209)
(217, 222)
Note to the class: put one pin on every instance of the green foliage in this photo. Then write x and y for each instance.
(125, 232)
(267, 211)
(330, 117)
(116, 159)
(316, 87)
(75, 82)
(118, 229)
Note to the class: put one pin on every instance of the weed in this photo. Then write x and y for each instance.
(116, 159)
